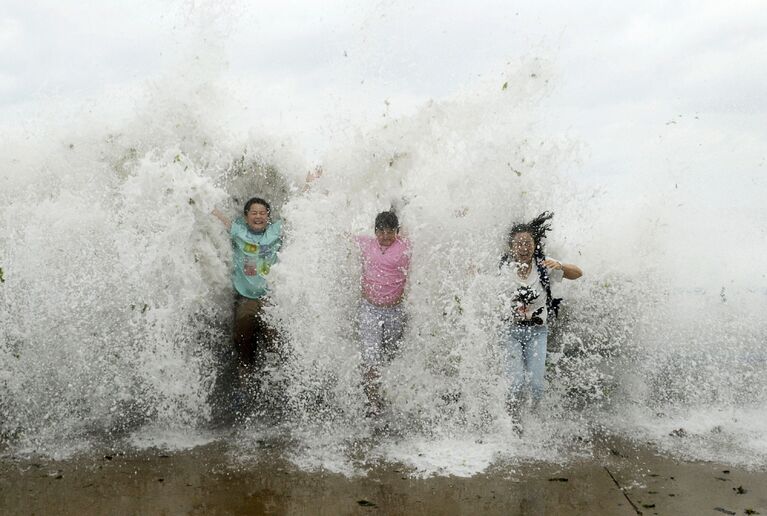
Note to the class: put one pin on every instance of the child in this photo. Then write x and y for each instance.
(381, 317)
(256, 241)
(527, 274)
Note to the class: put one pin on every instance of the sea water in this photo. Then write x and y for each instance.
(116, 303)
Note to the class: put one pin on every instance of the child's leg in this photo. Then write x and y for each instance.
(535, 359)
(246, 324)
(512, 348)
(370, 327)
(394, 321)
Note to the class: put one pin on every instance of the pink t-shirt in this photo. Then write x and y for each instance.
(384, 271)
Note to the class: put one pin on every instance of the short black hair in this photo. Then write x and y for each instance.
(386, 220)
(256, 200)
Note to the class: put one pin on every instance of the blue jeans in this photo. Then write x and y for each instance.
(524, 358)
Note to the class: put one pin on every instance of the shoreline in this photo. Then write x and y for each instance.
(621, 478)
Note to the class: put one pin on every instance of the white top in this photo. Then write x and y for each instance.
(524, 299)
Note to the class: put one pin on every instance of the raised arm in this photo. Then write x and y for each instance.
(312, 176)
(570, 270)
(223, 218)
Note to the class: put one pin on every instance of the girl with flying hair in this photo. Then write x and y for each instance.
(526, 278)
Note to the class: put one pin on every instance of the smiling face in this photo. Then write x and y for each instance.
(257, 217)
(386, 236)
(522, 247)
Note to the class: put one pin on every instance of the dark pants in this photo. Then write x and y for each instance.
(252, 335)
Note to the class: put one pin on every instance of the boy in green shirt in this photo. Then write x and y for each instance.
(256, 241)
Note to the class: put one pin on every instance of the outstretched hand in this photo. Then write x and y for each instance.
(553, 264)
(314, 174)
(569, 270)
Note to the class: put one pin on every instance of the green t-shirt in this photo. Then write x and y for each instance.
(254, 255)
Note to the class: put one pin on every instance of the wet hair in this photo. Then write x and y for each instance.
(538, 228)
(256, 200)
(386, 220)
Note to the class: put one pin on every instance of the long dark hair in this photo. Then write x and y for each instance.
(538, 228)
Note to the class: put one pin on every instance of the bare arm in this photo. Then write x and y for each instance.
(223, 218)
(570, 270)
(312, 176)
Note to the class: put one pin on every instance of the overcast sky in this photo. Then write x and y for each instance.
(641, 85)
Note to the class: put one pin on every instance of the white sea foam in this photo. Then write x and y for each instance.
(116, 302)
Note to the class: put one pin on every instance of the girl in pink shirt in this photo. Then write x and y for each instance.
(381, 318)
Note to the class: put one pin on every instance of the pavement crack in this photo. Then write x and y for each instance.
(623, 491)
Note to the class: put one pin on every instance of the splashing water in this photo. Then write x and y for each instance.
(116, 301)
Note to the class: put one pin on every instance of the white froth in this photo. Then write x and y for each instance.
(116, 301)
